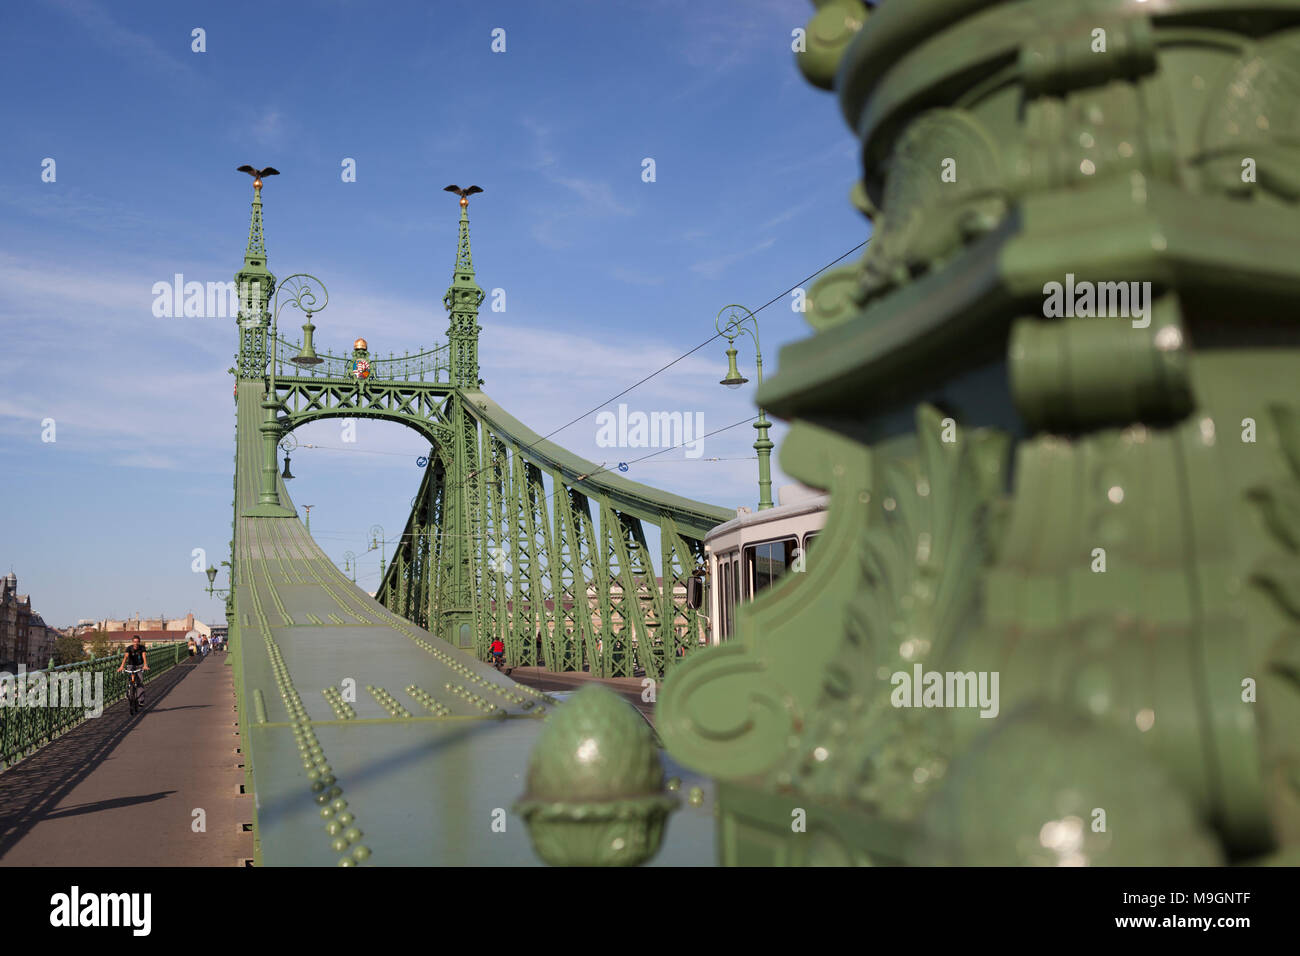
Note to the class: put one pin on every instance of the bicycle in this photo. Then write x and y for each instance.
(134, 688)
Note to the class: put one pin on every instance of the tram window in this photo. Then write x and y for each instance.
(727, 570)
(723, 589)
(766, 562)
(808, 539)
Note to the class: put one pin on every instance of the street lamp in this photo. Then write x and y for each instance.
(212, 579)
(350, 564)
(301, 291)
(735, 325)
(287, 444)
(377, 541)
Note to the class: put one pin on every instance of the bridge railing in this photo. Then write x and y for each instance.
(38, 706)
(430, 365)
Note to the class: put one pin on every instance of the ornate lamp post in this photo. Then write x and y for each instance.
(212, 579)
(734, 326)
(377, 541)
(301, 291)
(350, 564)
(287, 444)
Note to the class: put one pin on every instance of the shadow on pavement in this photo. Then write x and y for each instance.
(32, 788)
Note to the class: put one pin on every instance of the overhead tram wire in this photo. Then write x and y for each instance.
(711, 338)
(642, 381)
(716, 335)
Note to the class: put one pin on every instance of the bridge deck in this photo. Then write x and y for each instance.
(421, 788)
(121, 790)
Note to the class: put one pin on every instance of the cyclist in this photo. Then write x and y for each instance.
(136, 659)
(498, 652)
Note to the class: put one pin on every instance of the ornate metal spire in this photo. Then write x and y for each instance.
(462, 300)
(256, 239)
(255, 285)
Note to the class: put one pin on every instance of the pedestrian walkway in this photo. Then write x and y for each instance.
(123, 791)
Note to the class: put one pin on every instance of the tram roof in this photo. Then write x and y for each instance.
(809, 505)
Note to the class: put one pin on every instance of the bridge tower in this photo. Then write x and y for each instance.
(256, 285)
(462, 300)
(462, 528)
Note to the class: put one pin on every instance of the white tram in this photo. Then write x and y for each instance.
(748, 553)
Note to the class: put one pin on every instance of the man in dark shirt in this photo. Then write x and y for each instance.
(135, 657)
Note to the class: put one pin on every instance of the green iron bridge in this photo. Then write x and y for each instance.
(509, 536)
(1101, 510)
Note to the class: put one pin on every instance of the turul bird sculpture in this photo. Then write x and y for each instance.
(464, 193)
(257, 174)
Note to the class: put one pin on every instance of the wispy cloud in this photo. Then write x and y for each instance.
(714, 268)
(105, 30)
(560, 221)
(69, 204)
(787, 215)
(633, 277)
(269, 128)
(598, 197)
(717, 40)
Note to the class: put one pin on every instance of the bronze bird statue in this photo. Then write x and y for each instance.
(464, 193)
(257, 174)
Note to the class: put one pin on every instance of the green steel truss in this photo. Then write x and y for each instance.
(509, 535)
(512, 537)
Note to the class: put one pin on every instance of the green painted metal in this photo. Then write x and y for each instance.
(596, 791)
(493, 542)
(37, 707)
(366, 739)
(1099, 511)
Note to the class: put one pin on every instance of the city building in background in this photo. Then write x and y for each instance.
(24, 636)
(152, 630)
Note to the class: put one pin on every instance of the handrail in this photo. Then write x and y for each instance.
(29, 718)
(430, 365)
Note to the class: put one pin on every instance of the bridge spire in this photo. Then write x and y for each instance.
(462, 300)
(255, 285)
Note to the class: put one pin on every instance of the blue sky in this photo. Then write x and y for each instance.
(607, 277)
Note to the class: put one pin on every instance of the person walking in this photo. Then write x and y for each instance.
(194, 649)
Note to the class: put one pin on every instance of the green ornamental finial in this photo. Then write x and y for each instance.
(595, 785)
(255, 284)
(462, 301)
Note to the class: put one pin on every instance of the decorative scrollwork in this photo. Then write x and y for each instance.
(922, 555)
(302, 290)
(1279, 503)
